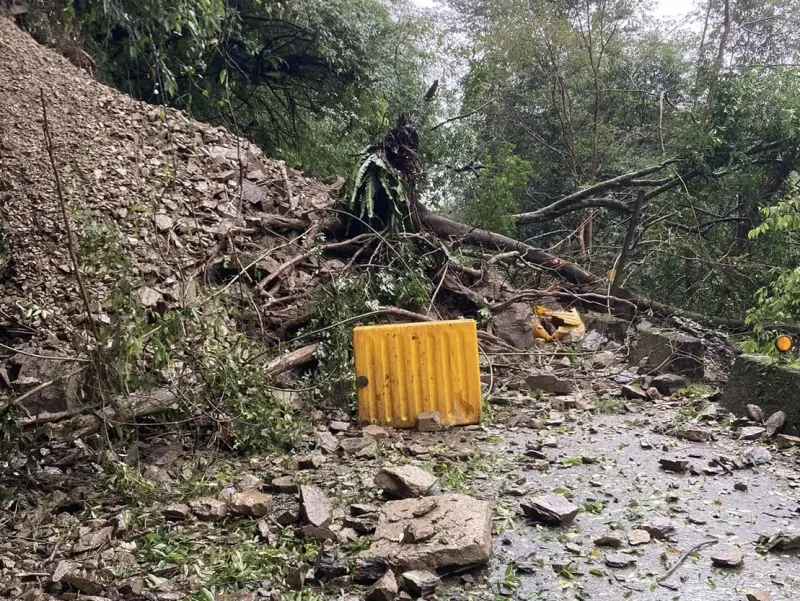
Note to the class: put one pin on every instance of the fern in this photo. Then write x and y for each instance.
(373, 176)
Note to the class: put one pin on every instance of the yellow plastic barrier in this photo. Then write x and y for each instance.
(403, 370)
(565, 322)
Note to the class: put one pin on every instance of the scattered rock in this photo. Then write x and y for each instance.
(405, 481)
(668, 384)
(385, 589)
(163, 222)
(288, 517)
(609, 540)
(375, 432)
(693, 433)
(312, 462)
(327, 442)
(318, 535)
(593, 341)
(252, 503)
(370, 569)
(177, 512)
(697, 518)
(653, 394)
(515, 325)
(669, 352)
(553, 509)
(603, 359)
(755, 413)
(775, 423)
(331, 562)
(93, 540)
(347, 535)
(353, 446)
(249, 481)
(755, 456)
(633, 393)
(751, 433)
(638, 537)
(429, 422)
(755, 594)
(420, 583)
(659, 527)
(417, 532)
(339, 426)
(786, 441)
(550, 383)
(359, 509)
(727, 558)
(284, 484)
(673, 465)
(296, 577)
(316, 508)
(209, 509)
(464, 533)
(741, 486)
(369, 450)
(620, 560)
(131, 588)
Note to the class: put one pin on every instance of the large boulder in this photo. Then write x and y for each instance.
(762, 381)
(460, 530)
(515, 325)
(664, 351)
(612, 328)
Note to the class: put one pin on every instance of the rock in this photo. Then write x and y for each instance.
(251, 502)
(331, 563)
(339, 426)
(327, 442)
(755, 413)
(363, 525)
(697, 518)
(609, 540)
(284, 484)
(603, 359)
(755, 594)
(177, 512)
(693, 433)
(606, 326)
(673, 465)
(417, 532)
(131, 588)
(653, 394)
(296, 577)
(429, 422)
(668, 384)
(593, 341)
(149, 297)
(385, 589)
(740, 486)
(420, 583)
(288, 517)
(727, 558)
(359, 509)
(659, 527)
(464, 533)
(633, 393)
(553, 509)
(93, 540)
(249, 481)
(514, 325)
(620, 560)
(209, 509)
(755, 456)
(638, 537)
(775, 423)
(347, 535)
(375, 432)
(312, 462)
(370, 569)
(751, 433)
(368, 451)
(315, 506)
(771, 385)
(550, 383)
(352, 446)
(163, 222)
(405, 481)
(667, 351)
(786, 441)
(318, 535)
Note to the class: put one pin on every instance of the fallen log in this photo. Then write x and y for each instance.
(292, 360)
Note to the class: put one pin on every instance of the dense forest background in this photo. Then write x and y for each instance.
(555, 122)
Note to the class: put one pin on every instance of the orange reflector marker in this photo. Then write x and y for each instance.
(403, 370)
(783, 344)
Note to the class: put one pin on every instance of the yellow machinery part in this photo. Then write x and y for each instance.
(403, 370)
(567, 322)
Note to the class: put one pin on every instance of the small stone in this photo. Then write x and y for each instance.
(385, 589)
(620, 560)
(249, 481)
(368, 451)
(288, 517)
(177, 512)
(315, 506)
(163, 222)
(574, 548)
(420, 583)
(149, 297)
(375, 432)
(550, 383)
(347, 535)
(693, 433)
(786, 441)
(405, 481)
(755, 456)
(659, 527)
(751, 433)
(359, 509)
(352, 446)
(429, 422)
(553, 509)
(550, 442)
(209, 509)
(331, 563)
(319, 535)
(131, 588)
(740, 486)
(327, 442)
(603, 359)
(633, 393)
(609, 540)
(638, 537)
(369, 569)
(727, 558)
(284, 484)
(653, 394)
(673, 465)
(755, 594)
(697, 518)
(296, 577)
(311, 462)
(755, 413)
(775, 423)
(362, 525)
(339, 426)
(252, 503)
